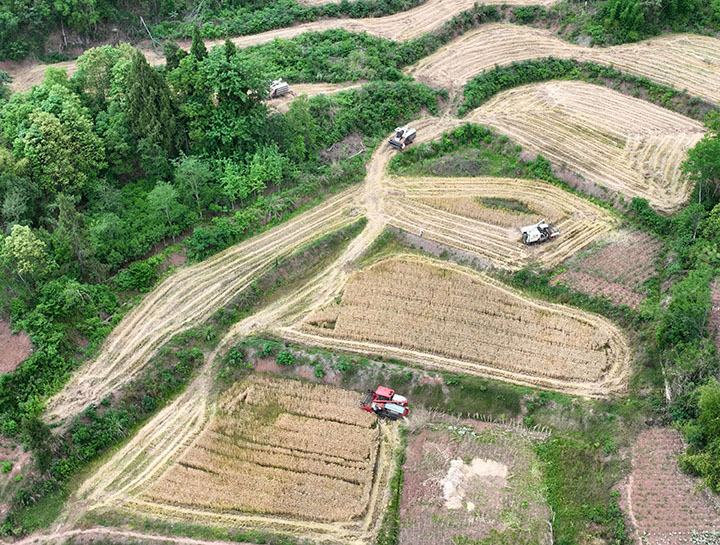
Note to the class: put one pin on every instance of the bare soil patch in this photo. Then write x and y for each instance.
(13, 453)
(14, 348)
(665, 504)
(463, 481)
(616, 267)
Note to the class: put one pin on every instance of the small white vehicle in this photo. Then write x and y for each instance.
(278, 88)
(403, 137)
(539, 232)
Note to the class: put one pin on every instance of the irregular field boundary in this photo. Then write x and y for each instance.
(424, 359)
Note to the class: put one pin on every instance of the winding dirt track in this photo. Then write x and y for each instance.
(400, 26)
(685, 61)
(623, 143)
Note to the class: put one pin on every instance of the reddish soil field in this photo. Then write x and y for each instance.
(665, 505)
(13, 348)
(615, 268)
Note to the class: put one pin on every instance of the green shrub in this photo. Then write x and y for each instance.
(6, 467)
(285, 358)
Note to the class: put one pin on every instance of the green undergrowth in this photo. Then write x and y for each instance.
(389, 533)
(186, 529)
(484, 86)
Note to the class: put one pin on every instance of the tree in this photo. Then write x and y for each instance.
(230, 48)
(193, 175)
(71, 229)
(150, 109)
(98, 68)
(703, 457)
(163, 198)
(197, 48)
(26, 252)
(173, 55)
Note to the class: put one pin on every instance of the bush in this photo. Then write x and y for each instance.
(285, 358)
(6, 467)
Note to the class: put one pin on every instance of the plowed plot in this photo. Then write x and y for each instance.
(462, 482)
(451, 211)
(613, 140)
(293, 455)
(665, 505)
(447, 317)
(685, 61)
(616, 268)
(13, 348)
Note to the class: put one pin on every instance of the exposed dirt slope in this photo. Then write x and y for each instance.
(685, 61)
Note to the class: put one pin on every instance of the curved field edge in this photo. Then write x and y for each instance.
(615, 381)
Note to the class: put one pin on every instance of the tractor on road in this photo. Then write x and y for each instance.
(404, 136)
(385, 403)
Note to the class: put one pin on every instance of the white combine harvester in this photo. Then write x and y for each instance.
(403, 137)
(278, 88)
(538, 232)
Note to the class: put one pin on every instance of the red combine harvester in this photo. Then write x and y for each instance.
(385, 403)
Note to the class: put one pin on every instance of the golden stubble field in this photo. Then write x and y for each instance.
(613, 140)
(448, 211)
(279, 455)
(443, 316)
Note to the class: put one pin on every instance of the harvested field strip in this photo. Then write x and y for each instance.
(429, 311)
(579, 220)
(190, 296)
(310, 90)
(252, 465)
(611, 139)
(685, 61)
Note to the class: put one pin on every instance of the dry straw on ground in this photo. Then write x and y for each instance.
(443, 316)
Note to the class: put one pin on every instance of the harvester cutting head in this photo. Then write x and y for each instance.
(403, 137)
(385, 403)
(539, 232)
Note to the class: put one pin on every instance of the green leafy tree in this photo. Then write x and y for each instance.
(703, 162)
(72, 231)
(197, 48)
(164, 198)
(193, 176)
(173, 55)
(25, 252)
(98, 70)
(150, 109)
(703, 457)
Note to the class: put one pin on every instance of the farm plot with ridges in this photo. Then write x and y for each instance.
(449, 211)
(666, 505)
(616, 267)
(280, 454)
(685, 61)
(616, 141)
(472, 481)
(443, 316)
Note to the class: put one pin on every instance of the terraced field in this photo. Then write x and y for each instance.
(685, 61)
(446, 317)
(616, 141)
(447, 210)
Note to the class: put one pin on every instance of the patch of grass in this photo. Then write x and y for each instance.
(41, 514)
(511, 205)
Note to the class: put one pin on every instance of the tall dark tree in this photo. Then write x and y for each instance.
(173, 55)
(151, 112)
(198, 49)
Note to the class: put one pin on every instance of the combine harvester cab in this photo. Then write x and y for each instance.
(404, 136)
(278, 88)
(539, 232)
(385, 403)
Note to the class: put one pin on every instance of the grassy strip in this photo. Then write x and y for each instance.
(389, 533)
(579, 491)
(489, 83)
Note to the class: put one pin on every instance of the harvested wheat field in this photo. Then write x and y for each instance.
(443, 316)
(471, 481)
(282, 104)
(616, 266)
(616, 141)
(189, 296)
(454, 212)
(684, 61)
(285, 455)
(665, 505)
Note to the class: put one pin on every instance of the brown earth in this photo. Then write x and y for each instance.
(14, 348)
(665, 504)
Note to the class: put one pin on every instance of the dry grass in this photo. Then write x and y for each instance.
(446, 209)
(277, 454)
(613, 140)
(685, 61)
(444, 316)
